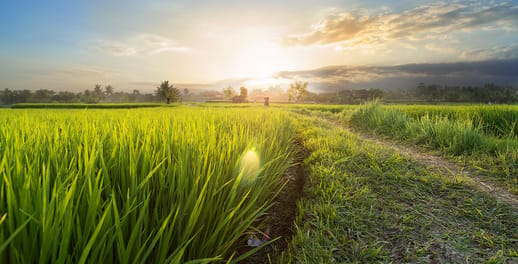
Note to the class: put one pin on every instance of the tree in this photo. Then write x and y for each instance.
(66, 97)
(108, 90)
(243, 93)
(229, 92)
(375, 94)
(88, 97)
(98, 93)
(43, 95)
(185, 93)
(7, 96)
(298, 90)
(169, 92)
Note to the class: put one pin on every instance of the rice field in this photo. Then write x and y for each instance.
(198, 183)
(137, 186)
(496, 120)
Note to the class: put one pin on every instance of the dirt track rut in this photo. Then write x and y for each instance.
(446, 167)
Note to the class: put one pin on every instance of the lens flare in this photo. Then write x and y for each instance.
(250, 164)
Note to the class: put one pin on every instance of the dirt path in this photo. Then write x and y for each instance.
(441, 164)
(445, 167)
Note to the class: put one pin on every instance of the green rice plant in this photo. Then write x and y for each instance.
(455, 137)
(164, 185)
(495, 120)
(384, 122)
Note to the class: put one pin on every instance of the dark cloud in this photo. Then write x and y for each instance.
(503, 72)
(333, 78)
(424, 22)
(500, 53)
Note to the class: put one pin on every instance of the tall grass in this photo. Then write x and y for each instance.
(454, 136)
(495, 120)
(139, 186)
(457, 136)
(366, 203)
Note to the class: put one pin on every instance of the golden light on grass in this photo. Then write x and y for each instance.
(250, 165)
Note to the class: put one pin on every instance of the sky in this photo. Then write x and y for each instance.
(73, 45)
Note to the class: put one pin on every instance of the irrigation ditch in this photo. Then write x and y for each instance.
(280, 219)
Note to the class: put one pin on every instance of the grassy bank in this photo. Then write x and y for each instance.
(364, 203)
(457, 138)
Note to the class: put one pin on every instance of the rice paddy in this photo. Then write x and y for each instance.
(198, 184)
(139, 186)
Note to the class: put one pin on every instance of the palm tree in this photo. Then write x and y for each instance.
(108, 90)
(98, 93)
(169, 92)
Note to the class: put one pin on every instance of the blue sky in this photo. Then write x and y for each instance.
(72, 45)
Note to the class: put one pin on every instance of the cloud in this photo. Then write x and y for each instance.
(499, 52)
(140, 44)
(439, 48)
(59, 77)
(115, 49)
(75, 72)
(144, 83)
(432, 21)
(332, 78)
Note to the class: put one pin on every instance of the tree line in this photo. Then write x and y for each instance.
(432, 93)
(296, 93)
(489, 93)
(98, 94)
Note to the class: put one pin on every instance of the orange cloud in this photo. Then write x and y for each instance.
(425, 22)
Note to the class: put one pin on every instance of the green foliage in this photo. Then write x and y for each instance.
(108, 90)
(98, 93)
(298, 91)
(243, 93)
(9, 97)
(454, 131)
(365, 203)
(135, 186)
(168, 92)
(229, 92)
(92, 106)
(496, 120)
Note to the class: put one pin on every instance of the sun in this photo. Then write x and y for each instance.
(259, 60)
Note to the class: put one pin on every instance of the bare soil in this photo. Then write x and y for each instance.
(279, 222)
